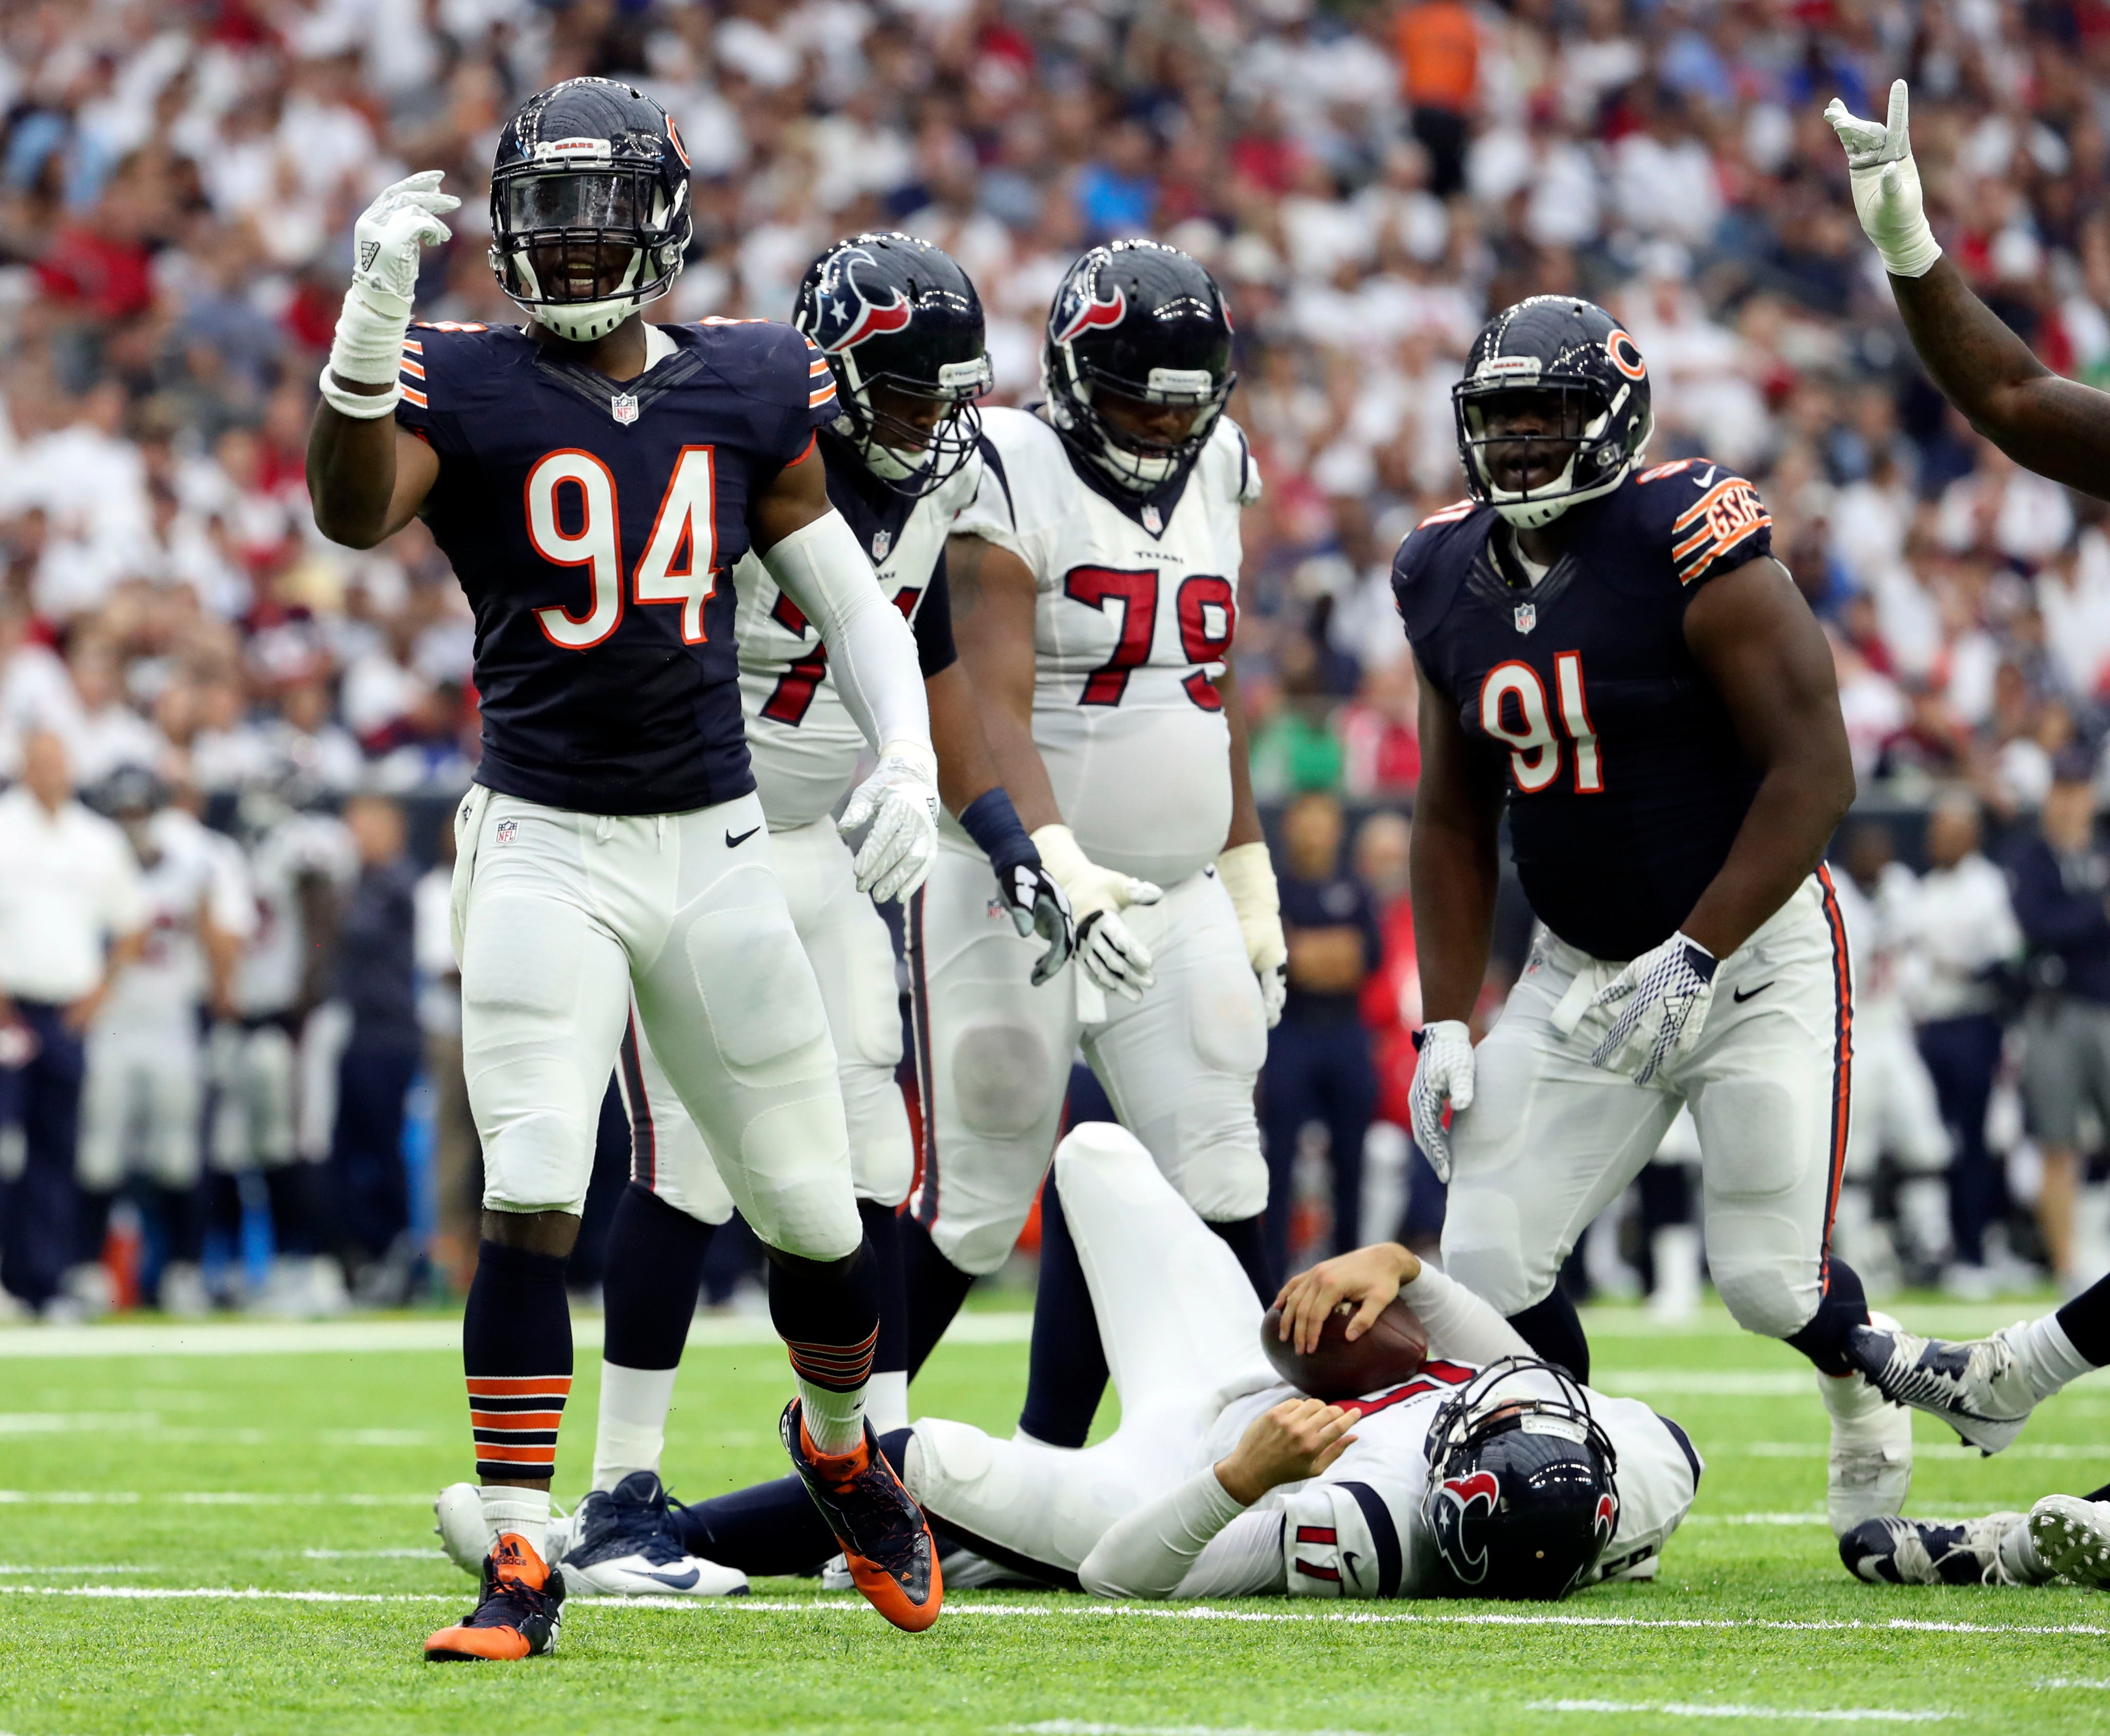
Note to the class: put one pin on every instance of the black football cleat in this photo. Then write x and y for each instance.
(1921, 1552)
(522, 1607)
(886, 1542)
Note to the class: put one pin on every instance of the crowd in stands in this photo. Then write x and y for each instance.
(1369, 178)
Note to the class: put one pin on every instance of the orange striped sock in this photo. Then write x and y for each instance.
(831, 1380)
(515, 1419)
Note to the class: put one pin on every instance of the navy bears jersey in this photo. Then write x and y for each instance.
(1627, 784)
(595, 527)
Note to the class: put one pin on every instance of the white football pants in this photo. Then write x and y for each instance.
(1550, 1140)
(559, 918)
(853, 958)
(1181, 1328)
(254, 1074)
(140, 1105)
(993, 1055)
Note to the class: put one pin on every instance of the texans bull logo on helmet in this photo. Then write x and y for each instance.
(846, 315)
(1090, 314)
(1463, 1505)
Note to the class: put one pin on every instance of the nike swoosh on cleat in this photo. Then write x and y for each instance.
(671, 1581)
(1740, 996)
(735, 843)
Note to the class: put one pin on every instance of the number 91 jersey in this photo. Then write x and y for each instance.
(1138, 605)
(593, 525)
(1627, 784)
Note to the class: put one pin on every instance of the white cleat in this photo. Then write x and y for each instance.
(622, 1542)
(2072, 1538)
(1978, 1388)
(1869, 1472)
(1923, 1551)
(463, 1534)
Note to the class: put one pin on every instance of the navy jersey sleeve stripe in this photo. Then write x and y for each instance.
(935, 650)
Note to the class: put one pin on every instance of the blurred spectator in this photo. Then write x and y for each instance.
(2061, 898)
(72, 917)
(1963, 936)
(377, 982)
(457, 1155)
(1438, 42)
(1318, 1056)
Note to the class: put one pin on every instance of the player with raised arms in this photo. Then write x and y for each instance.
(1614, 656)
(1094, 582)
(1486, 1472)
(900, 326)
(593, 478)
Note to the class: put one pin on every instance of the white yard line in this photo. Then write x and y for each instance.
(197, 1497)
(846, 1605)
(1708, 1709)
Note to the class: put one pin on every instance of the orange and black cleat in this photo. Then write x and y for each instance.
(522, 1604)
(885, 1538)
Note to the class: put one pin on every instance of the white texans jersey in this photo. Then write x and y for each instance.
(800, 739)
(1350, 1531)
(1138, 605)
(275, 961)
(186, 875)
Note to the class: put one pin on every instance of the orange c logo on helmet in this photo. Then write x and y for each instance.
(1625, 354)
(674, 138)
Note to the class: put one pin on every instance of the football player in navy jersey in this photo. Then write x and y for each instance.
(1613, 654)
(593, 479)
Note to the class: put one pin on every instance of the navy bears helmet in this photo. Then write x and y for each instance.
(1570, 359)
(1143, 321)
(1522, 1497)
(589, 206)
(888, 310)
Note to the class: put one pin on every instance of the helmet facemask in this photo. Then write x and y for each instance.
(1136, 459)
(912, 437)
(1535, 445)
(582, 240)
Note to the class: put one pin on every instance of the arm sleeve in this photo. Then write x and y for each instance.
(935, 650)
(1148, 1553)
(872, 653)
(1459, 1323)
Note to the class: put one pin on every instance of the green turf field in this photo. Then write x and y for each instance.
(241, 1541)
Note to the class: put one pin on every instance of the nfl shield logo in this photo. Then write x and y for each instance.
(506, 828)
(1527, 617)
(881, 542)
(1153, 521)
(624, 407)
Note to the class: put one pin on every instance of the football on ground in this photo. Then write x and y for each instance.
(227, 1531)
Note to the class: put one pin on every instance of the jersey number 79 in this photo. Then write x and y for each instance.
(679, 564)
(1536, 751)
(1207, 608)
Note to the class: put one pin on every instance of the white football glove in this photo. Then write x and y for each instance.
(898, 804)
(368, 347)
(1111, 956)
(1662, 1000)
(1248, 876)
(1442, 1079)
(385, 240)
(1887, 191)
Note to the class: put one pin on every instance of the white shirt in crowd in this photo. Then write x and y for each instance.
(69, 883)
(1964, 924)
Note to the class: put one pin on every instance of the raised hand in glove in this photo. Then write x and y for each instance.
(1110, 955)
(1886, 181)
(898, 804)
(1659, 1004)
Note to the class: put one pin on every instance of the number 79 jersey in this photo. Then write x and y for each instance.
(1138, 603)
(1627, 784)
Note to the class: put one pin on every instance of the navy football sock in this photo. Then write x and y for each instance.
(2100, 1494)
(653, 1271)
(935, 1288)
(517, 1353)
(1066, 1373)
(2085, 1321)
(1554, 1330)
(290, 1190)
(826, 1311)
(889, 1356)
(183, 1222)
(1246, 1238)
(772, 1527)
(91, 1221)
(1844, 1307)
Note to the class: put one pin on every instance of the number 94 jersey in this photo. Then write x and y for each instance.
(1626, 781)
(594, 526)
(1138, 605)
